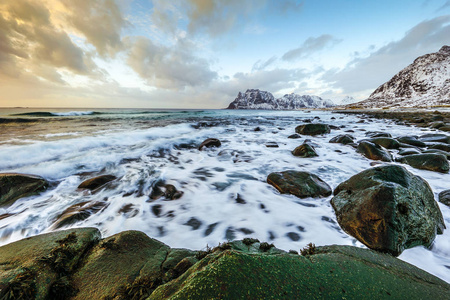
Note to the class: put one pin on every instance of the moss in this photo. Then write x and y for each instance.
(20, 287)
(110, 244)
(202, 254)
(266, 246)
(310, 249)
(222, 247)
(62, 289)
(250, 241)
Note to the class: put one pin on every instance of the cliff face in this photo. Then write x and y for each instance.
(256, 99)
(425, 82)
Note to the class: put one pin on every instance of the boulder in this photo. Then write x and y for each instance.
(300, 184)
(294, 136)
(305, 150)
(78, 212)
(411, 140)
(388, 209)
(343, 139)
(409, 151)
(312, 129)
(431, 162)
(14, 186)
(437, 151)
(330, 272)
(373, 151)
(168, 191)
(440, 146)
(444, 197)
(375, 134)
(388, 143)
(208, 143)
(96, 182)
(435, 138)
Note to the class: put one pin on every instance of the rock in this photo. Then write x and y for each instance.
(375, 134)
(208, 143)
(437, 151)
(312, 129)
(435, 138)
(436, 125)
(294, 136)
(14, 186)
(444, 197)
(411, 140)
(431, 162)
(373, 151)
(300, 184)
(161, 189)
(35, 268)
(445, 128)
(272, 145)
(343, 139)
(409, 151)
(96, 182)
(388, 143)
(305, 150)
(331, 272)
(388, 209)
(78, 212)
(440, 146)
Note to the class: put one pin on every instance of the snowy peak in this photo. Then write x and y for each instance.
(348, 100)
(256, 99)
(426, 82)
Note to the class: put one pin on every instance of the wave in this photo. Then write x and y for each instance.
(56, 114)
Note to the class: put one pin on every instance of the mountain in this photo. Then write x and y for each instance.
(256, 99)
(347, 100)
(426, 82)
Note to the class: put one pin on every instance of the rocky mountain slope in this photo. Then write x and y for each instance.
(426, 82)
(256, 99)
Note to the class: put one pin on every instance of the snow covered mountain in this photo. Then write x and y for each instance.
(426, 82)
(347, 100)
(256, 99)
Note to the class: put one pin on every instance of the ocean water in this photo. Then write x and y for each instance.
(225, 194)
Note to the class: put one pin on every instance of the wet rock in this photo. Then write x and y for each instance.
(156, 209)
(14, 186)
(293, 236)
(334, 127)
(210, 228)
(409, 151)
(388, 143)
(300, 184)
(161, 189)
(128, 210)
(257, 129)
(445, 128)
(272, 145)
(208, 143)
(388, 209)
(294, 136)
(79, 212)
(444, 197)
(96, 182)
(375, 134)
(240, 200)
(411, 140)
(440, 146)
(373, 151)
(431, 162)
(305, 150)
(194, 223)
(436, 125)
(343, 139)
(312, 129)
(437, 151)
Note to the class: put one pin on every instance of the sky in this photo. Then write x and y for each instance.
(201, 53)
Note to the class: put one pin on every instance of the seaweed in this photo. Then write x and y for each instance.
(266, 246)
(250, 241)
(310, 249)
(62, 289)
(202, 254)
(22, 286)
(141, 288)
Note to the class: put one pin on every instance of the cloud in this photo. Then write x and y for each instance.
(289, 6)
(444, 6)
(261, 65)
(100, 22)
(172, 67)
(310, 46)
(370, 72)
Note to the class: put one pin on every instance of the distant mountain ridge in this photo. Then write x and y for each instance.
(425, 82)
(256, 99)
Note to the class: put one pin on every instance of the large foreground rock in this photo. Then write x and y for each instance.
(388, 209)
(300, 184)
(76, 264)
(14, 186)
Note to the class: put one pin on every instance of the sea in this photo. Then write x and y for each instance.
(225, 192)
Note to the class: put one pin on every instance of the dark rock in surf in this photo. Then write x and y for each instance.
(300, 184)
(78, 212)
(375, 134)
(388, 143)
(313, 129)
(96, 182)
(208, 143)
(374, 151)
(342, 139)
(444, 197)
(388, 209)
(435, 138)
(440, 146)
(411, 140)
(409, 151)
(431, 162)
(294, 136)
(161, 189)
(14, 186)
(305, 150)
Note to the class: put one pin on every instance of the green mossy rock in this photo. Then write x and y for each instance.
(300, 184)
(430, 162)
(343, 139)
(332, 272)
(373, 151)
(388, 143)
(313, 129)
(305, 150)
(388, 209)
(32, 267)
(14, 186)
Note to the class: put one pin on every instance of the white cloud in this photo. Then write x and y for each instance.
(310, 46)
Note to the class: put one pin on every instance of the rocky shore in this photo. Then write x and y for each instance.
(387, 208)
